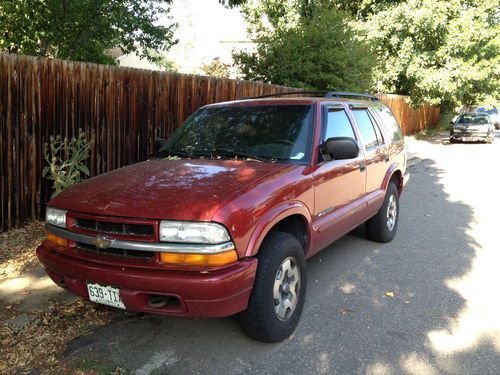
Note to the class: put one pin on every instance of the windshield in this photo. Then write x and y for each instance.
(472, 119)
(267, 132)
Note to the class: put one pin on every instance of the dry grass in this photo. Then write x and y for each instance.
(36, 346)
(17, 249)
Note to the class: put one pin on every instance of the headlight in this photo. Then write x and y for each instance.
(190, 232)
(56, 217)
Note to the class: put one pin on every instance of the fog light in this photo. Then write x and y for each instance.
(210, 260)
(57, 240)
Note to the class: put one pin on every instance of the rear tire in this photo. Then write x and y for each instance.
(383, 226)
(278, 294)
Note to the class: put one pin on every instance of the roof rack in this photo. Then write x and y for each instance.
(324, 94)
(311, 93)
(342, 94)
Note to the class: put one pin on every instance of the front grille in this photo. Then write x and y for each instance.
(142, 230)
(137, 254)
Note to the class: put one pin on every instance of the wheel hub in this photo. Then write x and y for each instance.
(392, 211)
(286, 288)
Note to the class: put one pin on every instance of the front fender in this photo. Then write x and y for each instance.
(274, 216)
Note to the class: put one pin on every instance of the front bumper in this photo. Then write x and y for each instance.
(212, 294)
(470, 136)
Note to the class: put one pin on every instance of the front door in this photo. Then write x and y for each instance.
(339, 185)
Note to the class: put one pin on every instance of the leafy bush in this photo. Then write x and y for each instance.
(318, 52)
(66, 159)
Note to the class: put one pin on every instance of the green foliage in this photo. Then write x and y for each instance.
(84, 29)
(216, 69)
(320, 51)
(66, 161)
(443, 52)
(306, 8)
(437, 51)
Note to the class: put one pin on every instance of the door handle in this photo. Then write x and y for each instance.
(387, 159)
(362, 167)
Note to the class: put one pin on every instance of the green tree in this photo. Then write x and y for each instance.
(317, 51)
(437, 51)
(84, 29)
(306, 8)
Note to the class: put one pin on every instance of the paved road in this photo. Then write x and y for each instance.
(443, 268)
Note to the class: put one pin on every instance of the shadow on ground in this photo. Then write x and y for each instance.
(370, 309)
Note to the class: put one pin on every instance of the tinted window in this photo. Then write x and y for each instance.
(338, 125)
(366, 128)
(392, 126)
(278, 132)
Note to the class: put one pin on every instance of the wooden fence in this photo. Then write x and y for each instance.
(122, 111)
(412, 120)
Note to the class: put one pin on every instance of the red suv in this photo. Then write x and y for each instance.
(246, 191)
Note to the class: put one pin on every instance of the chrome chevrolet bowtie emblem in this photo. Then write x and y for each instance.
(102, 242)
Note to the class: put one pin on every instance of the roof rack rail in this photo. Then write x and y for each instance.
(341, 94)
(324, 94)
(311, 93)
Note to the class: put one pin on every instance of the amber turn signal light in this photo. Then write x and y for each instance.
(57, 240)
(207, 260)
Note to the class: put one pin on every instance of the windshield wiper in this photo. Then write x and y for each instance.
(226, 152)
(181, 153)
(242, 154)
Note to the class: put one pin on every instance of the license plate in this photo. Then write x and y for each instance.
(107, 295)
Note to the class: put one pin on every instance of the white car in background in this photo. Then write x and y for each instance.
(493, 113)
(472, 127)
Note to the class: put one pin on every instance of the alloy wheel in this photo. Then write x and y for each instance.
(286, 288)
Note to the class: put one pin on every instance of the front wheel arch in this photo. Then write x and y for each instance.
(275, 219)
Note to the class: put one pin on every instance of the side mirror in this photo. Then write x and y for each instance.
(451, 122)
(341, 148)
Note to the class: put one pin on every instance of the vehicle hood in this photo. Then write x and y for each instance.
(167, 189)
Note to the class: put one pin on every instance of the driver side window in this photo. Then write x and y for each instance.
(338, 125)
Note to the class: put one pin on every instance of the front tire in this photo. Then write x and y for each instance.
(383, 226)
(278, 294)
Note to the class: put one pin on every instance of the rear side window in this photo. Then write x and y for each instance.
(369, 131)
(390, 122)
(338, 125)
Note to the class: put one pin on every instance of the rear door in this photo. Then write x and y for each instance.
(376, 153)
(339, 185)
